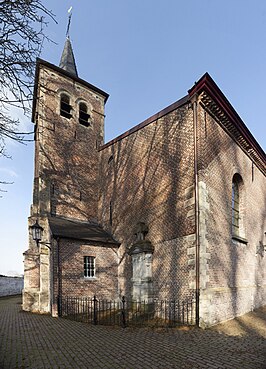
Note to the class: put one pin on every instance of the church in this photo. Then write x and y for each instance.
(173, 208)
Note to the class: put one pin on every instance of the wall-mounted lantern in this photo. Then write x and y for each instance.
(37, 232)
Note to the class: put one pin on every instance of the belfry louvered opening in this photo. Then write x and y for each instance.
(65, 107)
(84, 117)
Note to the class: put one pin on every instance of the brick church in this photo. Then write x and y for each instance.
(172, 208)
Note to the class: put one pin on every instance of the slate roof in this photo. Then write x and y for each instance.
(78, 230)
(67, 61)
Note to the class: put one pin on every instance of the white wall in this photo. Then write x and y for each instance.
(10, 285)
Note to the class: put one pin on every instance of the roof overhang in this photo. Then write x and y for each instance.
(82, 231)
(220, 108)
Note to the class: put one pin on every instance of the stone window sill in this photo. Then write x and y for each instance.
(240, 239)
(90, 278)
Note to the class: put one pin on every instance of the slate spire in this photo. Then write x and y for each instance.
(67, 61)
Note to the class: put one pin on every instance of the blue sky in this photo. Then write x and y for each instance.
(146, 54)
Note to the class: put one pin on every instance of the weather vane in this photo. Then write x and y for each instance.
(69, 20)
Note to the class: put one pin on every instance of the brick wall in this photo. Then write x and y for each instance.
(236, 274)
(66, 161)
(66, 170)
(145, 177)
(71, 272)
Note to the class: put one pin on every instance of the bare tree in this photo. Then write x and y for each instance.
(22, 24)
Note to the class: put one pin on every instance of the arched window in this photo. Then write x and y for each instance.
(235, 206)
(238, 208)
(83, 115)
(65, 107)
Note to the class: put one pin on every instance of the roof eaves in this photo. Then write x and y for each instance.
(207, 84)
(67, 228)
(184, 100)
(87, 239)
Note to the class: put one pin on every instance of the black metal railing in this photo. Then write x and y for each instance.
(125, 312)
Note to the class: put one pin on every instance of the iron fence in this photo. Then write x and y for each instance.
(125, 312)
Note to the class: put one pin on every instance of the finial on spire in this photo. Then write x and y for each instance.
(69, 20)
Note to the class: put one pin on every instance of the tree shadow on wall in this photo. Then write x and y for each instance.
(147, 185)
(230, 266)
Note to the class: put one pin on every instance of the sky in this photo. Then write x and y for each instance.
(146, 54)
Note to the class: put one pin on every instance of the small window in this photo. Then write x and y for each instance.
(89, 266)
(83, 115)
(65, 107)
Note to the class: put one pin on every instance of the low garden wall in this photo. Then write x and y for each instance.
(10, 285)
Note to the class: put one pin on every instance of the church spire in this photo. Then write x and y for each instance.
(67, 61)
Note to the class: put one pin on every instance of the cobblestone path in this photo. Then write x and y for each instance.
(40, 341)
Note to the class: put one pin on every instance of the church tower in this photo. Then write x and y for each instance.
(69, 117)
(68, 114)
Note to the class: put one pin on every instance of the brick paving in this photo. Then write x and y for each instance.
(42, 342)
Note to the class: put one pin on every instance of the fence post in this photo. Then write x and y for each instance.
(95, 321)
(59, 305)
(123, 312)
(175, 312)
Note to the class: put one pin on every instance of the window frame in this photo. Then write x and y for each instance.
(89, 267)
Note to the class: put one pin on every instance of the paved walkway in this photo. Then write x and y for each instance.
(40, 341)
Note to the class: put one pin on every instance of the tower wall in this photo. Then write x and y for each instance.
(66, 161)
(66, 171)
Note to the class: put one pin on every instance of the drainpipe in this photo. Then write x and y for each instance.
(196, 193)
